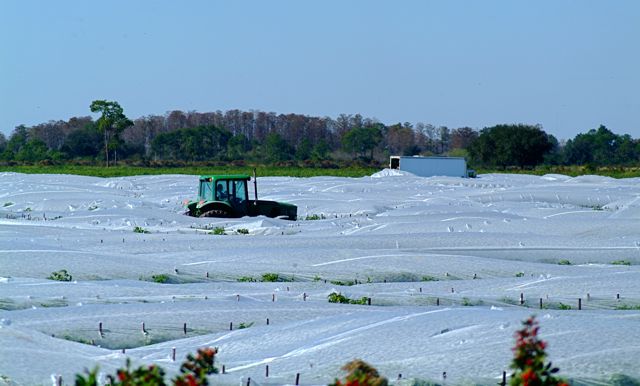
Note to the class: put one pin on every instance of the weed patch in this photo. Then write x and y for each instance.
(140, 230)
(61, 275)
(627, 307)
(336, 297)
(217, 231)
(273, 277)
(621, 262)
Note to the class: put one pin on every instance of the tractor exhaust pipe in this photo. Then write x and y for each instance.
(255, 187)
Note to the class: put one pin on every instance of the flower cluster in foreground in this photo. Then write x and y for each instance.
(529, 359)
(194, 372)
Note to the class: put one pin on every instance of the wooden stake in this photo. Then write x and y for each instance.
(58, 380)
(273, 297)
(144, 330)
(266, 371)
(504, 379)
(297, 379)
(184, 328)
(173, 354)
(123, 350)
(579, 303)
(207, 274)
(420, 289)
(437, 301)
(249, 381)
(238, 297)
(267, 321)
(100, 328)
(368, 301)
(521, 298)
(540, 303)
(230, 326)
(223, 370)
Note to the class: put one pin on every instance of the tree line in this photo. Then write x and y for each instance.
(237, 136)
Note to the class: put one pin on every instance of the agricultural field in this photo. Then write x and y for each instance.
(96, 270)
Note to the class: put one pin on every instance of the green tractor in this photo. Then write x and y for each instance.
(228, 196)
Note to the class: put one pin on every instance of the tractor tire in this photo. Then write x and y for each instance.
(215, 213)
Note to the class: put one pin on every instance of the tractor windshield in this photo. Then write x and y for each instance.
(206, 190)
(232, 191)
(222, 190)
(240, 191)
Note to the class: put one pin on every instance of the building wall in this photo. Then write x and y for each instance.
(434, 166)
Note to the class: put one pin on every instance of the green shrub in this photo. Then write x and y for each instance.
(242, 231)
(270, 277)
(140, 230)
(627, 307)
(563, 306)
(246, 279)
(315, 217)
(564, 262)
(61, 275)
(429, 278)
(345, 283)
(8, 203)
(160, 278)
(520, 274)
(245, 325)
(621, 262)
(336, 297)
(217, 231)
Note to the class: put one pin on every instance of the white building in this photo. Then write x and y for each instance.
(431, 166)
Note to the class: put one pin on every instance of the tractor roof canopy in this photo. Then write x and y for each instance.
(224, 177)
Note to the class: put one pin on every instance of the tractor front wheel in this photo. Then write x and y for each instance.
(215, 213)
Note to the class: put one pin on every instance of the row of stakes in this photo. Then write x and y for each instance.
(184, 329)
(58, 378)
(579, 300)
(304, 296)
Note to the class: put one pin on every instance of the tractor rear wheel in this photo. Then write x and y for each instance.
(215, 213)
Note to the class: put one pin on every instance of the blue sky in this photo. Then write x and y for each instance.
(567, 65)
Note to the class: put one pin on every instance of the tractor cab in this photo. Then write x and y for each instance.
(228, 196)
(229, 192)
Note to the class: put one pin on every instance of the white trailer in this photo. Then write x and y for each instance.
(430, 166)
